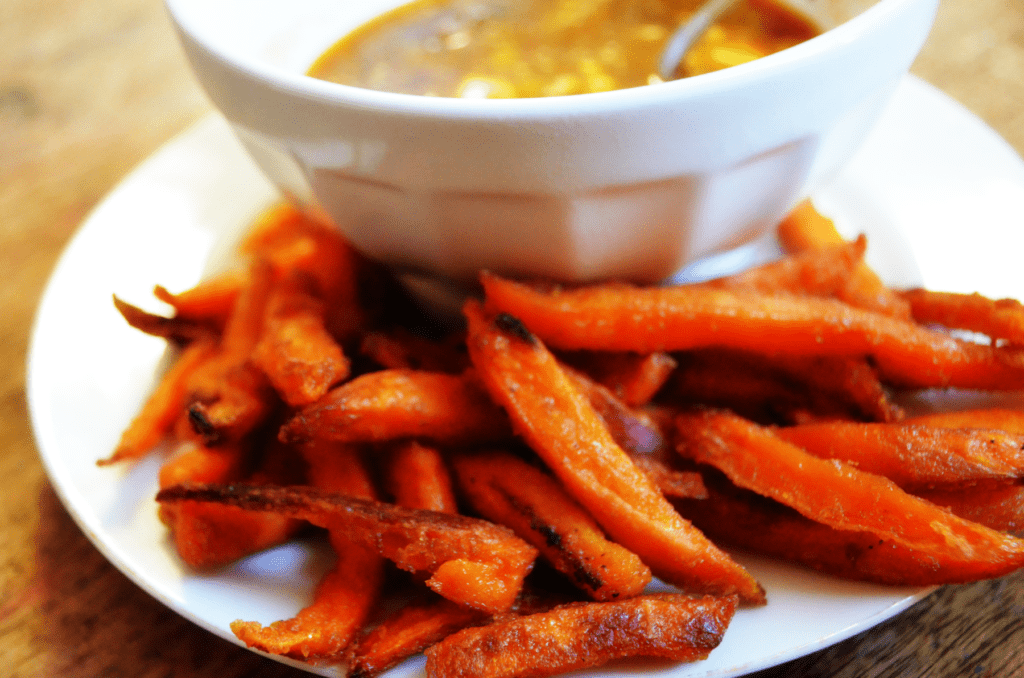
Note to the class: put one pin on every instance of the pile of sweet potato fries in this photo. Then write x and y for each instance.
(518, 480)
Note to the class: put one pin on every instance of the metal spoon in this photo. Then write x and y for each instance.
(680, 42)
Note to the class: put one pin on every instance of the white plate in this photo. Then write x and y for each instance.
(933, 180)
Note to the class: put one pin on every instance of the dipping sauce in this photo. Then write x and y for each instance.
(539, 48)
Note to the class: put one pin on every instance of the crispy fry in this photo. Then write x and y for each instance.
(401, 349)
(846, 380)
(636, 433)
(274, 231)
(231, 404)
(471, 561)
(745, 520)
(641, 437)
(209, 301)
(511, 492)
(229, 397)
(207, 536)
(559, 423)
(195, 463)
(295, 242)
(410, 630)
(163, 406)
(345, 596)
(997, 318)
(417, 477)
(1001, 508)
(1011, 421)
(321, 630)
(840, 496)
(210, 536)
(639, 385)
(806, 229)
(823, 272)
(621, 317)
(916, 456)
(180, 331)
(744, 383)
(582, 635)
(777, 389)
(394, 404)
(673, 483)
(634, 378)
(245, 323)
(296, 352)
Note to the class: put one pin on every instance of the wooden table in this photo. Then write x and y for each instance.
(87, 90)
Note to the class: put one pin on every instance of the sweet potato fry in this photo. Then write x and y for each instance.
(561, 425)
(245, 323)
(743, 383)
(1001, 508)
(634, 378)
(745, 520)
(228, 396)
(822, 272)
(417, 477)
(851, 381)
(807, 229)
(296, 352)
(916, 456)
(209, 301)
(673, 483)
(471, 561)
(641, 434)
(296, 242)
(163, 406)
(410, 630)
(997, 318)
(632, 430)
(344, 598)
(230, 404)
(180, 331)
(207, 536)
(1011, 421)
(620, 317)
(401, 349)
(510, 492)
(639, 385)
(341, 603)
(777, 389)
(274, 231)
(394, 404)
(583, 635)
(198, 464)
(840, 496)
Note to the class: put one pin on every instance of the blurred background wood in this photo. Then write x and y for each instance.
(88, 90)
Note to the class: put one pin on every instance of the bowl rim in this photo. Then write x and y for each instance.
(313, 89)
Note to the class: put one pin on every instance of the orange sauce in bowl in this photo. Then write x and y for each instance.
(538, 48)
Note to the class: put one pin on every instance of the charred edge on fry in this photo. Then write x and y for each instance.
(247, 497)
(202, 425)
(580, 573)
(511, 325)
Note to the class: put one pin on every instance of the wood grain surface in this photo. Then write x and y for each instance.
(89, 89)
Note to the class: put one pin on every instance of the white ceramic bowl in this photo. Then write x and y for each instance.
(627, 184)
